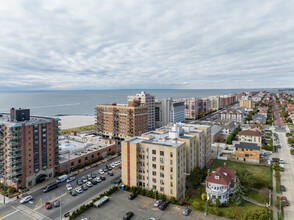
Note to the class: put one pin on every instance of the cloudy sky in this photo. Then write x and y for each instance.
(151, 44)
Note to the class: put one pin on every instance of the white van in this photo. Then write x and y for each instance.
(61, 178)
(281, 161)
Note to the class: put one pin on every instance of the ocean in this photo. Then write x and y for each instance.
(53, 103)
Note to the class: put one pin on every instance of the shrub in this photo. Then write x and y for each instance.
(292, 151)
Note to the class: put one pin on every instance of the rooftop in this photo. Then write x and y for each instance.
(5, 118)
(221, 176)
(246, 145)
(250, 133)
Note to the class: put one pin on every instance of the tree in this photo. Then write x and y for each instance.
(238, 193)
(259, 214)
(217, 202)
(203, 196)
(264, 193)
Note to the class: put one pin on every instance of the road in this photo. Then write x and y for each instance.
(278, 121)
(14, 209)
(287, 177)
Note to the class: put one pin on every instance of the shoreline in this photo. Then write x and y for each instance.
(74, 121)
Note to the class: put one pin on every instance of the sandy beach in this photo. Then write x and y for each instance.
(73, 121)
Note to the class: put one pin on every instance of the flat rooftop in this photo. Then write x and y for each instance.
(5, 118)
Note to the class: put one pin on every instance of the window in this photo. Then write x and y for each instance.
(154, 180)
(161, 189)
(161, 153)
(171, 162)
(171, 169)
(154, 187)
(161, 174)
(171, 184)
(154, 166)
(154, 173)
(171, 176)
(162, 182)
(80, 161)
(171, 154)
(72, 164)
(153, 159)
(161, 160)
(161, 167)
(153, 151)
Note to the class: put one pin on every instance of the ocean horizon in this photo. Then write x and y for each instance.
(83, 102)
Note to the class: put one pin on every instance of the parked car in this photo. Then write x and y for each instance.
(48, 205)
(73, 193)
(98, 179)
(109, 168)
(89, 184)
(282, 165)
(62, 178)
(187, 211)
(94, 181)
(105, 169)
(157, 203)
(93, 175)
(56, 203)
(112, 165)
(70, 179)
(285, 200)
(132, 196)
(89, 177)
(84, 187)
(26, 199)
(101, 171)
(79, 182)
(110, 173)
(128, 215)
(163, 206)
(102, 177)
(84, 179)
(283, 188)
(68, 187)
(79, 190)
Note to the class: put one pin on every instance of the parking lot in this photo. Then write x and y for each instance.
(142, 207)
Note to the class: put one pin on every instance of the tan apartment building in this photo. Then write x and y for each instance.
(249, 104)
(161, 159)
(149, 101)
(122, 121)
(250, 136)
(29, 151)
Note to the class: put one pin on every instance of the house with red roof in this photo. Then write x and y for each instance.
(220, 183)
(263, 112)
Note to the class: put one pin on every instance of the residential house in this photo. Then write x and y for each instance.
(247, 152)
(250, 136)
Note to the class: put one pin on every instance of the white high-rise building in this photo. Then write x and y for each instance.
(149, 101)
(214, 102)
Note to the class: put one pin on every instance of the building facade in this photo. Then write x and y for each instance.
(249, 104)
(29, 148)
(220, 184)
(149, 101)
(247, 152)
(122, 121)
(250, 136)
(214, 102)
(232, 115)
(161, 159)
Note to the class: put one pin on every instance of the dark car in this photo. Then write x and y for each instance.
(84, 187)
(94, 182)
(187, 211)
(283, 188)
(105, 169)
(93, 175)
(79, 182)
(73, 193)
(102, 178)
(110, 173)
(109, 168)
(163, 206)
(128, 215)
(132, 196)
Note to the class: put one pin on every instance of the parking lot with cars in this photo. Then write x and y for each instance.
(119, 205)
(69, 202)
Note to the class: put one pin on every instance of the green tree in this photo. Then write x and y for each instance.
(259, 214)
(238, 193)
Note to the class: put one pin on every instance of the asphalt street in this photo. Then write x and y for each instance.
(68, 202)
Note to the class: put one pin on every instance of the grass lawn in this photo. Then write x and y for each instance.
(259, 171)
(252, 194)
(78, 129)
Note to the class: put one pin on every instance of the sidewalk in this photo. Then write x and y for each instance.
(275, 210)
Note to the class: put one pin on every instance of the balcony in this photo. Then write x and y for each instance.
(216, 192)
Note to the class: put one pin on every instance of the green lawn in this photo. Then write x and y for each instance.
(78, 129)
(252, 194)
(258, 171)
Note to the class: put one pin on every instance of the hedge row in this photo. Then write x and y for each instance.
(85, 207)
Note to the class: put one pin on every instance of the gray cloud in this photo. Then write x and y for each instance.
(151, 44)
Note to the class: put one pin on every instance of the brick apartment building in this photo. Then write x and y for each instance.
(28, 148)
(122, 121)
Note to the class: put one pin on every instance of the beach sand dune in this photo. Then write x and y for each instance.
(73, 121)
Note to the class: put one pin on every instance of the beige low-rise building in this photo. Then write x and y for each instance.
(161, 159)
(249, 104)
(250, 136)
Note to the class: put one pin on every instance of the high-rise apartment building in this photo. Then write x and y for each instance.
(169, 111)
(191, 108)
(122, 121)
(161, 159)
(149, 101)
(246, 103)
(29, 151)
(214, 102)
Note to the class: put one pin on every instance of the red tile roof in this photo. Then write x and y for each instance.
(250, 133)
(223, 179)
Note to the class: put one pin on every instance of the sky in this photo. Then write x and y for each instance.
(151, 44)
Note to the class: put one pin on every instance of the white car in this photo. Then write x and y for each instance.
(98, 180)
(112, 165)
(282, 165)
(101, 171)
(70, 179)
(69, 187)
(89, 184)
(26, 199)
(79, 190)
